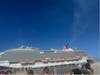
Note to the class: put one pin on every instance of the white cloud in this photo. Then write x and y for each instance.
(81, 9)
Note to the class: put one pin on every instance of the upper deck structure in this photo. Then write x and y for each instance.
(28, 56)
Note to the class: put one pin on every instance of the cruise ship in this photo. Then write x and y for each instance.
(59, 61)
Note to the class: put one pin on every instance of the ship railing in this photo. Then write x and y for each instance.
(55, 63)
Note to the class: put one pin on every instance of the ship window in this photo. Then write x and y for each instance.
(24, 64)
(13, 62)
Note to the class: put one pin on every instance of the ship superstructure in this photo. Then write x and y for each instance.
(35, 58)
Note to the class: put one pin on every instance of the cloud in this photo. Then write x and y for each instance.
(82, 8)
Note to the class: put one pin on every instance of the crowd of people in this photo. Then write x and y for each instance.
(82, 69)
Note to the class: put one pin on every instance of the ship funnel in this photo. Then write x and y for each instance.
(65, 47)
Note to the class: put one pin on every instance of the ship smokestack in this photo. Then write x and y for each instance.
(65, 47)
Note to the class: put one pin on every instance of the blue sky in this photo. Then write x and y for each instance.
(50, 24)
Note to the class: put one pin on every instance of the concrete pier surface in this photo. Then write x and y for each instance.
(96, 67)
